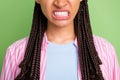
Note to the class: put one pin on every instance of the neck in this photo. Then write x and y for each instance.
(60, 35)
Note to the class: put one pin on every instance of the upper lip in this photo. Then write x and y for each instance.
(59, 10)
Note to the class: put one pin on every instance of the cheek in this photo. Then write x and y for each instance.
(76, 7)
(45, 6)
(75, 4)
(45, 11)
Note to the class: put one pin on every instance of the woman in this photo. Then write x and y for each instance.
(61, 46)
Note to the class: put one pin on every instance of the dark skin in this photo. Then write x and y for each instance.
(65, 13)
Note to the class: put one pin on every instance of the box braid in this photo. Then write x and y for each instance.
(87, 54)
(30, 65)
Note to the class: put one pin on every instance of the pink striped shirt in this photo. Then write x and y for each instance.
(15, 54)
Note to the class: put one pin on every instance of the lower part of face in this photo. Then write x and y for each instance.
(60, 13)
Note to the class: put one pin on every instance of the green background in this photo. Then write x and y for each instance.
(16, 19)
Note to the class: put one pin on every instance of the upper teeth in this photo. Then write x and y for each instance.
(61, 13)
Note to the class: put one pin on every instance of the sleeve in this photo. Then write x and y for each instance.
(107, 53)
(14, 56)
(8, 66)
(116, 68)
(112, 60)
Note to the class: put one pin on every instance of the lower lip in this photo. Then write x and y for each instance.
(61, 17)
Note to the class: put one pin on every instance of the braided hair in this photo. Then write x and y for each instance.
(87, 54)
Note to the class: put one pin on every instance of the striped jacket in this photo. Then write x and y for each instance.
(15, 54)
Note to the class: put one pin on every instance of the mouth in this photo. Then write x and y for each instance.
(61, 14)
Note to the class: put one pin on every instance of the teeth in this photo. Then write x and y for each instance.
(61, 13)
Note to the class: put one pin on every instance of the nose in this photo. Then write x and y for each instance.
(60, 3)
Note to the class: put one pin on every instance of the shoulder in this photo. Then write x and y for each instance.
(19, 44)
(14, 55)
(106, 53)
(17, 50)
(108, 56)
(105, 49)
(102, 45)
(100, 40)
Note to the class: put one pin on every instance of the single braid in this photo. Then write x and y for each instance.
(30, 66)
(88, 56)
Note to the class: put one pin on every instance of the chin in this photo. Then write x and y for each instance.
(63, 23)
